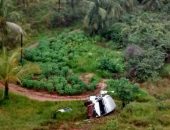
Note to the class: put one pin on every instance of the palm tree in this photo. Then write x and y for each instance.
(3, 19)
(152, 4)
(5, 25)
(11, 71)
(102, 13)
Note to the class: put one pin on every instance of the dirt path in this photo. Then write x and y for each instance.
(33, 45)
(45, 96)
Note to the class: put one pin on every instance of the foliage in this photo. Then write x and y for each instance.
(124, 90)
(7, 26)
(152, 4)
(103, 13)
(111, 65)
(59, 57)
(12, 71)
(114, 34)
(145, 40)
(49, 13)
(143, 67)
(133, 51)
(165, 71)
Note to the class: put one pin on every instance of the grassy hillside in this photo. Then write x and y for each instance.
(126, 42)
(20, 113)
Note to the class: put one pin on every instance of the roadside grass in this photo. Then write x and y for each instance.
(136, 116)
(20, 113)
(160, 89)
(151, 112)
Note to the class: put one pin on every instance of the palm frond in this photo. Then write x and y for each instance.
(28, 69)
(15, 27)
(10, 69)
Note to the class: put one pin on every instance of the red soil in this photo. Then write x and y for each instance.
(45, 96)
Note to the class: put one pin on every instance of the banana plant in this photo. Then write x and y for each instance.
(11, 71)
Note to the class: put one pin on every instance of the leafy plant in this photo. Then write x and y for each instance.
(59, 57)
(12, 71)
(124, 90)
(111, 65)
(144, 67)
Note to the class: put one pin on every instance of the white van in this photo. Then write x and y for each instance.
(103, 104)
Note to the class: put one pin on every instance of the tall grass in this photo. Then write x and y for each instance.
(20, 113)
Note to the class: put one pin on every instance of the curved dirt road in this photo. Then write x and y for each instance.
(45, 96)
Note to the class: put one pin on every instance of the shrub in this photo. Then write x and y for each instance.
(27, 83)
(133, 51)
(165, 71)
(146, 66)
(108, 64)
(123, 89)
(49, 87)
(115, 34)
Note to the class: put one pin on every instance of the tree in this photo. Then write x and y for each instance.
(5, 25)
(11, 71)
(124, 90)
(152, 4)
(103, 13)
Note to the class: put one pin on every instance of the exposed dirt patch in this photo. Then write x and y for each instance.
(86, 77)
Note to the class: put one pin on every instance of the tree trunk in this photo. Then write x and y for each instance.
(21, 49)
(5, 96)
(123, 104)
(72, 4)
(59, 2)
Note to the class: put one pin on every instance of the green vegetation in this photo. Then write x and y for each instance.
(59, 57)
(20, 113)
(11, 71)
(126, 42)
(125, 91)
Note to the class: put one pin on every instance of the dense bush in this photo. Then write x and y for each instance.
(111, 65)
(124, 90)
(115, 34)
(70, 85)
(147, 65)
(146, 38)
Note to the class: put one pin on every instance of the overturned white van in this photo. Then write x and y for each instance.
(100, 105)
